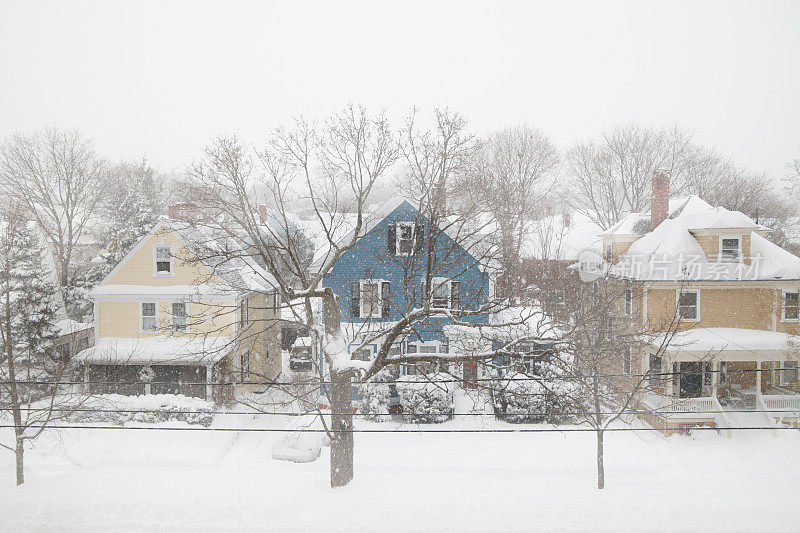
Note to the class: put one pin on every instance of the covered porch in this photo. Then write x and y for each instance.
(160, 364)
(726, 376)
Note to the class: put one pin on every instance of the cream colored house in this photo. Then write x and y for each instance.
(175, 317)
(735, 299)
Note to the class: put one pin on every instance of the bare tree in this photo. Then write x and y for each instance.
(515, 178)
(334, 166)
(610, 177)
(59, 178)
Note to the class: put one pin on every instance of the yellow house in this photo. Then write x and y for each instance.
(734, 298)
(176, 316)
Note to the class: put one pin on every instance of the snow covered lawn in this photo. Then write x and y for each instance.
(103, 479)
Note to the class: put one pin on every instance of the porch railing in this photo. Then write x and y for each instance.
(703, 405)
(788, 403)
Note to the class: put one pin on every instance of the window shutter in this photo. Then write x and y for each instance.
(386, 298)
(392, 239)
(455, 295)
(355, 299)
(419, 237)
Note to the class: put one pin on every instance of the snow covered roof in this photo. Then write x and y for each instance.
(694, 212)
(550, 238)
(160, 349)
(712, 340)
(225, 257)
(670, 252)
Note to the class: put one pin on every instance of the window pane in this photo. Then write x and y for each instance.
(149, 323)
(730, 248)
(148, 309)
(427, 348)
(370, 305)
(179, 316)
(440, 296)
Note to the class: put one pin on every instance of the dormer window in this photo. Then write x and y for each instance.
(163, 260)
(730, 248)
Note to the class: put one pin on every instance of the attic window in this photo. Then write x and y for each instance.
(163, 257)
(730, 249)
(405, 238)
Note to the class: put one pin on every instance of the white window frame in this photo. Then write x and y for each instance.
(678, 293)
(786, 370)
(441, 282)
(783, 306)
(398, 237)
(738, 249)
(171, 272)
(371, 281)
(172, 316)
(141, 318)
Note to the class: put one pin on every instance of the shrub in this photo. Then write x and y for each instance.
(426, 399)
(520, 399)
(146, 409)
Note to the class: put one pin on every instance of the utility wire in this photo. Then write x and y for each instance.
(357, 382)
(305, 430)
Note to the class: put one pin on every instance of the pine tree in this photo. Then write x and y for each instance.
(27, 330)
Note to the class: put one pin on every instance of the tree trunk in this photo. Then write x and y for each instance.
(19, 451)
(341, 404)
(601, 473)
(342, 427)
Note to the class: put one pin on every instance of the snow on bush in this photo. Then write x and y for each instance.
(426, 399)
(375, 395)
(519, 398)
(146, 409)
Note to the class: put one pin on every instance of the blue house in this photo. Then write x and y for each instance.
(386, 274)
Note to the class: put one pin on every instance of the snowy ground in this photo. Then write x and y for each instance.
(103, 479)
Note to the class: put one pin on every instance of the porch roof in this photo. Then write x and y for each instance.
(729, 343)
(160, 349)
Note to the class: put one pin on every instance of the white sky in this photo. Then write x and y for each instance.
(160, 79)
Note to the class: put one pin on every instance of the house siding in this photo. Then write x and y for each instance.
(370, 258)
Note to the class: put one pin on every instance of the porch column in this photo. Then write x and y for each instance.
(758, 377)
(669, 376)
(209, 392)
(715, 370)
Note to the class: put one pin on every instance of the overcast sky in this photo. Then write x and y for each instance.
(161, 78)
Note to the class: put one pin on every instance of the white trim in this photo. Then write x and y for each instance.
(678, 292)
(783, 306)
(156, 273)
(739, 239)
(141, 317)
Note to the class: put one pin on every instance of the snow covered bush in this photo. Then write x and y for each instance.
(519, 398)
(376, 395)
(426, 399)
(145, 409)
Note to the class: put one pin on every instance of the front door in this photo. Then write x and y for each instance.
(691, 377)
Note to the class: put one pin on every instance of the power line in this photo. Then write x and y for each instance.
(658, 411)
(306, 430)
(512, 378)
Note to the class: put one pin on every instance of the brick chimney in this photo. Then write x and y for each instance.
(263, 213)
(184, 211)
(659, 199)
